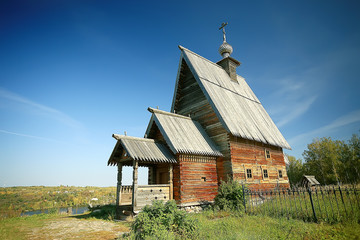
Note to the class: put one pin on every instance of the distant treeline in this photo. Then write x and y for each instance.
(15, 200)
(330, 161)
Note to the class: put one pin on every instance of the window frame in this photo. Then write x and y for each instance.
(280, 173)
(267, 154)
(248, 173)
(267, 174)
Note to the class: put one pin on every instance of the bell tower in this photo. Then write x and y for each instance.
(228, 63)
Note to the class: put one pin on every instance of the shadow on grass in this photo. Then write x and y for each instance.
(105, 212)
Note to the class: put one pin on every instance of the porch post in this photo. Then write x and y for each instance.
(118, 191)
(135, 185)
(171, 181)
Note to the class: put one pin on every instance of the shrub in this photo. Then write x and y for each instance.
(106, 212)
(230, 196)
(163, 221)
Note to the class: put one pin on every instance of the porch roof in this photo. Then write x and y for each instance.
(182, 134)
(141, 149)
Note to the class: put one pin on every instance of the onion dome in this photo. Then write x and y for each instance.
(225, 49)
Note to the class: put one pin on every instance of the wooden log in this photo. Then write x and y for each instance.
(118, 191)
(135, 185)
(171, 181)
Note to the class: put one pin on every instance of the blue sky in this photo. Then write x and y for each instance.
(74, 72)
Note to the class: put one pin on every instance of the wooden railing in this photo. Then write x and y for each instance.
(125, 195)
(145, 194)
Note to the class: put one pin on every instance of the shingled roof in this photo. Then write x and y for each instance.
(239, 110)
(142, 149)
(182, 134)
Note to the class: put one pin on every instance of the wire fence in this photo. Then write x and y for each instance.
(318, 204)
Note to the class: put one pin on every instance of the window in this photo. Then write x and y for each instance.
(203, 179)
(267, 154)
(248, 173)
(265, 173)
(280, 174)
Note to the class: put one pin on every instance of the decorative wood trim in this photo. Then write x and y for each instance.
(197, 158)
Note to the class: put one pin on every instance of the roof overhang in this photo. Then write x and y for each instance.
(143, 150)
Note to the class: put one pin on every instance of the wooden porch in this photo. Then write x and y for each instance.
(145, 194)
(143, 152)
(138, 196)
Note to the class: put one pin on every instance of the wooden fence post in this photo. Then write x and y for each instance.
(312, 204)
(243, 189)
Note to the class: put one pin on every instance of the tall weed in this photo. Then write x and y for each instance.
(163, 221)
(230, 196)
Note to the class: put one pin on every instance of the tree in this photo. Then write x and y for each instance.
(350, 159)
(295, 170)
(323, 160)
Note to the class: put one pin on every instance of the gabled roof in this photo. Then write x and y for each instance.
(142, 149)
(238, 109)
(182, 134)
(311, 180)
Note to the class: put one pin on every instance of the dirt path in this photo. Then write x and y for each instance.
(73, 228)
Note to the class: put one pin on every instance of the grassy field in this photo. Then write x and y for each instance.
(50, 226)
(225, 226)
(329, 205)
(14, 200)
(219, 225)
(100, 224)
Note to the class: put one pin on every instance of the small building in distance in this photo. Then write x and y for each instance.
(309, 181)
(216, 129)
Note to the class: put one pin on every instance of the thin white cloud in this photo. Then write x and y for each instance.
(347, 119)
(28, 136)
(296, 111)
(294, 97)
(51, 112)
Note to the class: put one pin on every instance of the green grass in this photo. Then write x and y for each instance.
(212, 225)
(228, 226)
(329, 207)
(20, 227)
(54, 226)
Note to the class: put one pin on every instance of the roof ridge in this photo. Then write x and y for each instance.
(153, 110)
(237, 75)
(183, 48)
(118, 137)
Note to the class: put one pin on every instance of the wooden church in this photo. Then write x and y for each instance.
(217, 129)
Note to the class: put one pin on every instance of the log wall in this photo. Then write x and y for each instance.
(247, 154)
(192, 101)
(239, 154)
(194, 179)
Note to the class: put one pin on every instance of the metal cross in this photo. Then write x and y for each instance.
(223, 30)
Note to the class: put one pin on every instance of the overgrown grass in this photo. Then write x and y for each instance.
(230, 196)
(106, 212)
(54, 226)
(20, 227)
(211, 225)
(163, 221)
(232, 225)
(224, 225)
(329, 207)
